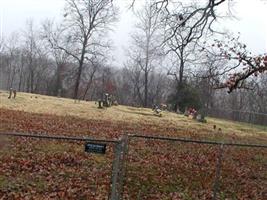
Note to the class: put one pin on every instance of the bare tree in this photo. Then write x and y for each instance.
(145, 53)
(85, 20)
(12, 65)
(201, 15)
(241, 63)
(95, 65)
(32, 49)
(51, 34)
(186, 23)
(204, 13)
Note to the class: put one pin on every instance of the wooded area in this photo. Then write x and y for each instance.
(175, 57)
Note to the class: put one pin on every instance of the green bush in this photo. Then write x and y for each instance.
(184, 97)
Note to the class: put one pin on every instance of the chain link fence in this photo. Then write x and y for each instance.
(135, 167)
(239, 115)
(37, 166)
(177, 168)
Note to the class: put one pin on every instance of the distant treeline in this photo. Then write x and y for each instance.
(72, 59)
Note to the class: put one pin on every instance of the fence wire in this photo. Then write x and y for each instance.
(239, 115)
(179, 168)
(140, 167)
(54, 167)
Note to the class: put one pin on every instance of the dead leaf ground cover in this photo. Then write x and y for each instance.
(137, 117)
(38, 169)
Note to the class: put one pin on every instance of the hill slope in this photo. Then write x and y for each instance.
(121, 114)
(42, 169)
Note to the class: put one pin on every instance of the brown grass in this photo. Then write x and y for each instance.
(39, 169)
(34, 103)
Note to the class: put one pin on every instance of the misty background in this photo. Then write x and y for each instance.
(42, 51)
(250, 21)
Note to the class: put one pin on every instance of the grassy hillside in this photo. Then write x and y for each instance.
(136, 116)
(156, 170)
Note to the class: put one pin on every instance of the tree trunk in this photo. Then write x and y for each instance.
(78, 80)
(12, 78)
(58, 86)
(181, 73)
(28, 84)
(31, 81)
(9, 77)
(146, 68)
(87, 88)
(81, 62)
(20, 79)
(146, 89)
(89, 84)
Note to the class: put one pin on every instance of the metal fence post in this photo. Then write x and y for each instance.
(125, 144)
(115, 172)
(118, 169)
(216, 185)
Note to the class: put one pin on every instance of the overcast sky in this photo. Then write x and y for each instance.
(252, 23)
